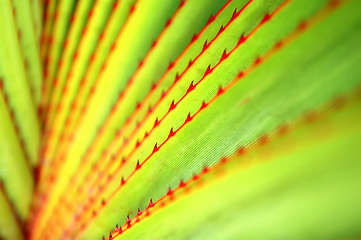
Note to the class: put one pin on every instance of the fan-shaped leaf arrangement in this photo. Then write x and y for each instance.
(191, 119)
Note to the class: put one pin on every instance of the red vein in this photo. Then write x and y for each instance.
(280, 131)
(129, 83)
(118, 135)
(119, 151)
(121, 95)
(139, 106)
(277, 133)
(258, 61)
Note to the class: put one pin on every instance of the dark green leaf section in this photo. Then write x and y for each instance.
(278, 90)
(16, 83)
(301, 185)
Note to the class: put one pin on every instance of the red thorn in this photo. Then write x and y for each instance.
(241, 74)
(103, 66)
(302, 26)
(205, 46)
(208, 71)
(120, 230)
(278, 45)
(190, 63)
(171, 64)
(112, 48)
(189, 118)
(190, 88)
(224, 55)
(137, 143)
(241, 40)
(241, 151)
(90, 13)
(92, 57)
(116, 228)
(172, 106)
(181, 3)
(103, 238)
(334, 3)
(282, 130)
(223, 160)
(94, 213)
(118, 133)
(211, 19)
(101, 36)
(263, 139)
(128, 221)
(176, 77)
(82, 82)
(151, 204)
(110, 236)
(257, 61)
(140, 64)
(154, 85)
(171, 133)
(138, 105)
(195, 177)
(137, 166)
(266, 18)
(162, 94)
(220, 91)
(156, 123)
(115, 5)
(146, 134)
(235, 14)
(156, 148)
(139, 212)
(103, 202)
(182, 184)
(122, 182)
(170, 192)
(150, 109)
(204, 105)
(221, 29)
(195, 36)
(132, 8)
(65, 44)
(205, 169)
(168, 23)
